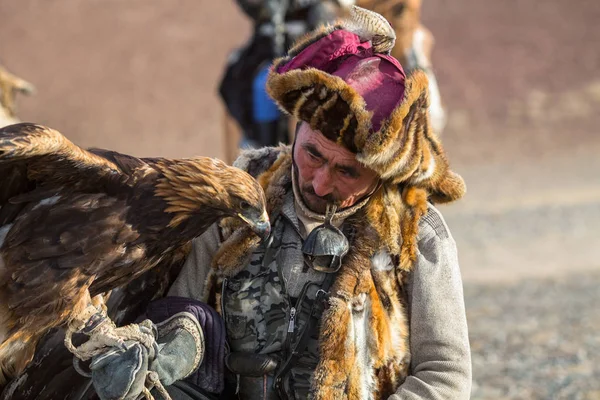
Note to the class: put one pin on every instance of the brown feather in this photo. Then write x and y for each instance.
(80, 223)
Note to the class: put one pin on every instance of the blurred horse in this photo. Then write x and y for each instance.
(10, 85)
(414, 44)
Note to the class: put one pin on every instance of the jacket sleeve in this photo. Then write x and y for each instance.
(439, 341)
(186, 295)
(191, 279)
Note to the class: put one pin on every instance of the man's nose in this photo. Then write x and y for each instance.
(322, 182)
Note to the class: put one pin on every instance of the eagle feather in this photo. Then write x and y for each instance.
(76, 223)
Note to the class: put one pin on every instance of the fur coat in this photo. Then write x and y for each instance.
(364, 331)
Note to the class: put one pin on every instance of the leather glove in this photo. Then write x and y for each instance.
(178, 352)
(119, 374)
(180, 348)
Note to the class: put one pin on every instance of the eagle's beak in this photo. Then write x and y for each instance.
(261, 227)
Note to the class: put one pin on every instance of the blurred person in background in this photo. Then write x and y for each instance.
(276, 25)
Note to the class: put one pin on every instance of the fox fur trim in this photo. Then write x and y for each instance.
(364, 351)
(275, 181)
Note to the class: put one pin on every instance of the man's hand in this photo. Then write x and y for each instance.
(118, 374)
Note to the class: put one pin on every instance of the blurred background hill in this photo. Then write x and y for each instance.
(521, 83)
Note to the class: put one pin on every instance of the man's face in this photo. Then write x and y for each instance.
(329, 173)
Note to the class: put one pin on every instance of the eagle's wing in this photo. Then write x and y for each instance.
(51, 374)
(33, 156)
(38, 159)
(127, 303)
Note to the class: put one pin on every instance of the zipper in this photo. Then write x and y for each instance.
(278, 228)
(294, 311)
(292, 324)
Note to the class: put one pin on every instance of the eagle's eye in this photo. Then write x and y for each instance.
(244, 205)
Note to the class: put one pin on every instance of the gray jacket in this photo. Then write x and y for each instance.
(439, 345)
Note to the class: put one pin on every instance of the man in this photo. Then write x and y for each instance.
(357, 293)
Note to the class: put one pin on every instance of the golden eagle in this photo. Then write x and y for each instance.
(77, 223)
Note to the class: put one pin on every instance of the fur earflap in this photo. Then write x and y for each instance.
(256, 161)
(405, 150)
(325, 102)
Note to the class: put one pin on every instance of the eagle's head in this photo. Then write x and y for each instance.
(207, 189)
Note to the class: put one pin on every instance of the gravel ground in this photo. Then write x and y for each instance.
(537, 339)
(519, 243)
(530, 252)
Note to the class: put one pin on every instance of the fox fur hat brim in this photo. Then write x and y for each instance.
(403, 148)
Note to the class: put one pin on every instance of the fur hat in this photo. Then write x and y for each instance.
(342, 81)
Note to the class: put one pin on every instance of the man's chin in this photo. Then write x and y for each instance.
(319, 209)
(315, 205)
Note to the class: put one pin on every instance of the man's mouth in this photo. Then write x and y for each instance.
(316, 203)
(313, 197)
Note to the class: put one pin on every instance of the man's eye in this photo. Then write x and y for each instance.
(313, 156)
(347, 174)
